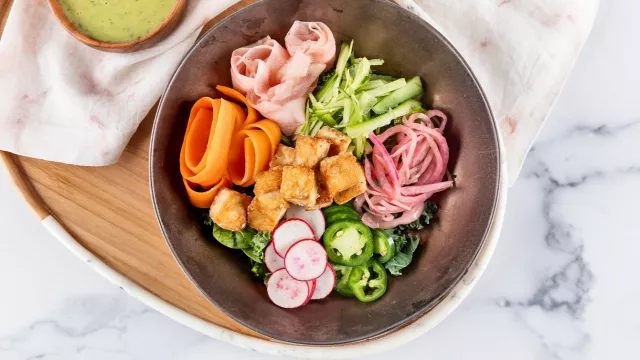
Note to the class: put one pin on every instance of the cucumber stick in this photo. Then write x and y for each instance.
(366, 127)
(412, 89)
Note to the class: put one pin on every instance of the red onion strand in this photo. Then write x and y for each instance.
(401, 181)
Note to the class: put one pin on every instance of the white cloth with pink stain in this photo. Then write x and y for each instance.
(63, 101)
(521, 52)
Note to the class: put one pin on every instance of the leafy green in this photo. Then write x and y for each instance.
(285, 140)
(325, 77)
(427, 216)
(233, 239)
(251, 242)
(248, 240)
(207, 220)
(260, 271)
(407, 241)
(406, 245)
(255, 251)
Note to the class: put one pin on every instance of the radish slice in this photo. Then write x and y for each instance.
(289, 232)
(314, 218)
(272, 260)
(306, 260)
(286, 291)
(312, 288)
(324, 284)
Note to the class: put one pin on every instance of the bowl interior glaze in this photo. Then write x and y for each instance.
(409, 46)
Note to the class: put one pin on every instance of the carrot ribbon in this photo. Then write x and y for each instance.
(224, 145)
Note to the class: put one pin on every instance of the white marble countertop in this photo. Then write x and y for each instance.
(561, 284)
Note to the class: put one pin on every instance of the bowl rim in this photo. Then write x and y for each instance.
(58, 12)
(449, 299)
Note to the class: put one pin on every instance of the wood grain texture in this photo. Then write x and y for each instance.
(5, 7)
(108, 210)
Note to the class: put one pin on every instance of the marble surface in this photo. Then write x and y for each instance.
(561, 284)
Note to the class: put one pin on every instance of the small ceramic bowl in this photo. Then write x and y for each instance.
(162, 31)
(408, 46)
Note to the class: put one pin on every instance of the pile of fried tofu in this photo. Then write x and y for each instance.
(318, 171)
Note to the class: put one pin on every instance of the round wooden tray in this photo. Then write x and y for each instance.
(105, 216)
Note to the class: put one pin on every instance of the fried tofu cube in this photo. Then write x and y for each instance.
(339, 141)
(299, 185)
(340, 172)
(285, 155)
(273, 201)
(309, 151)
(229, 209)
(323, 200)
(268, 181)
(259, 219)
(344, 196)
(265, 211)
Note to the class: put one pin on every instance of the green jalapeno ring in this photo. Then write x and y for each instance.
(342, 279)
(348, 242)
(339, 212)
(339, 216)
(338, 208)
(383, 245)
(368, 281)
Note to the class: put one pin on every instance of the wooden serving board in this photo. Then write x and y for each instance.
(108, 210)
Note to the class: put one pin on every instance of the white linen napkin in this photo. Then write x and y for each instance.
(63, 101)
(521, 52)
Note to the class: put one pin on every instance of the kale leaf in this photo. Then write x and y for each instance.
(428, 214)
(255, 251)
(260, 271)
(406, 245)
(248, 240)
(407, 241)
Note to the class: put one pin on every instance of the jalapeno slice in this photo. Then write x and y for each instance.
(342, 279)
(368, 281)
(383, 245)
(348, 243)
(337, 213)
(337, 208)
(339, 216)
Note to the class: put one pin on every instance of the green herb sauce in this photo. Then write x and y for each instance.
(117, 21)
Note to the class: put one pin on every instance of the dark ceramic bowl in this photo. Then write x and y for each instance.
(409, 46)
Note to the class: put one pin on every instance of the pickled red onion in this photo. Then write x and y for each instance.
(401, 181)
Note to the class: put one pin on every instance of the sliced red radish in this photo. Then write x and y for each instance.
(324, 284)
(312, 288)
(272, 260)
(315, 218)
(306, 260)
(289, 232)
(286, 291)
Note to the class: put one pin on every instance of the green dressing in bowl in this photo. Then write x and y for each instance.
(117, 21)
